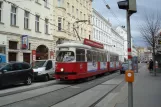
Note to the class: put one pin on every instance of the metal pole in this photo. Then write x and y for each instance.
(130, 84)
(130, 94)
(129, 39)
(137, 67)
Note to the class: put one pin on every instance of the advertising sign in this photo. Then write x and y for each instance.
(135, 63)
(34, 55)
(24, 41)
(93, 43)
(92, 66)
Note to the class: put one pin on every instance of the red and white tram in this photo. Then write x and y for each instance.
(76, 61)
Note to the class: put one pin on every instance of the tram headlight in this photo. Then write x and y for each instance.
(62, 69)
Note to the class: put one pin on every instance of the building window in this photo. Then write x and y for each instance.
(68, 27)
(77, 13)
(37, 1)
(59, 24)
(37, 18)
(63, 23)
(13, 45)
(68, 7)
(0, 11)
(80, 15)
(60, 3)
(26, 20)
(81, 31)
(73, 10)
(47, 26)
(13, 15)
(46, 3)
(94, 33)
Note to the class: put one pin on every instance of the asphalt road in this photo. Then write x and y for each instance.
(49, 95)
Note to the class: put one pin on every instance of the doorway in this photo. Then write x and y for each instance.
(26, 57)
(12, 56)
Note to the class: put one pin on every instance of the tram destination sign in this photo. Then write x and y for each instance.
(93, 43)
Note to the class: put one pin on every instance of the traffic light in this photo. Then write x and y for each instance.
(128, 5)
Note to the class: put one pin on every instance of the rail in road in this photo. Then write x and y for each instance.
(50, 95)
(94, 97)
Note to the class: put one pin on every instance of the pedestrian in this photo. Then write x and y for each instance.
(150, 65)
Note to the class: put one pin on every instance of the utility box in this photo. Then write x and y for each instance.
(132, 5)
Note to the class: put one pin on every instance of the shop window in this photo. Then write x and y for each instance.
(13, 44)
(2, 50)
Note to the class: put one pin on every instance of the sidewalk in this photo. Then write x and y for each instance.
(146, 90)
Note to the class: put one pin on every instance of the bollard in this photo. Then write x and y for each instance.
(129, 77)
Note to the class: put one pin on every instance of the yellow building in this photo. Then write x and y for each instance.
(66, 13)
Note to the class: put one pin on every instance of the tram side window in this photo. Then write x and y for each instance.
(80, 55)
(111, 58)
(101, 57)
(94, 56)
(89, 56)
(105, 57)
(97, 56)
(117, 58)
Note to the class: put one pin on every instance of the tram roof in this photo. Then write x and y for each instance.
(74, 45)
(78, 45)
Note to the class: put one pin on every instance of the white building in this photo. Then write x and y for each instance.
(118, 42)
(121, 31)
(101, 30)
(105, 34)
(26, 27)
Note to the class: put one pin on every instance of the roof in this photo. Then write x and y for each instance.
(74, 45)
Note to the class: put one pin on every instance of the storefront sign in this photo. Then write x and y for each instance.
(34, 55)
(93, 43)
(24, 41)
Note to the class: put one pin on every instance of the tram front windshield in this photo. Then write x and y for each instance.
(65, 56)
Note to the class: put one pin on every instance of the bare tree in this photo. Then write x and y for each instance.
(149, 30)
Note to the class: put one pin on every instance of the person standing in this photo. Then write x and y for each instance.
(150, 65)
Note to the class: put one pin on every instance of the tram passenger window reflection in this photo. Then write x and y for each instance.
(65, 56)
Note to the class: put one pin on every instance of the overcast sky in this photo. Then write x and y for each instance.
(150, 6)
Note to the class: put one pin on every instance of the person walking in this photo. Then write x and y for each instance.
(150, 65)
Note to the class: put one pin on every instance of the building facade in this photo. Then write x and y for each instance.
(134, 51)
(105, 34)
(118, 42)
(66, 14)
(26, 29)
(122, 32)
(144, 54)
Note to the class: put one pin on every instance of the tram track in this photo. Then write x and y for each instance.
(101, 80)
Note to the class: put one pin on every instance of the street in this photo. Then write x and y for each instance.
(53, 93)
(105, 91)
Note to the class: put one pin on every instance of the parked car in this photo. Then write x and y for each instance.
(44, 69)
(124, 68)
(15, 72)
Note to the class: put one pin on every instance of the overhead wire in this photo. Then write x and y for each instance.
(119, 22)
